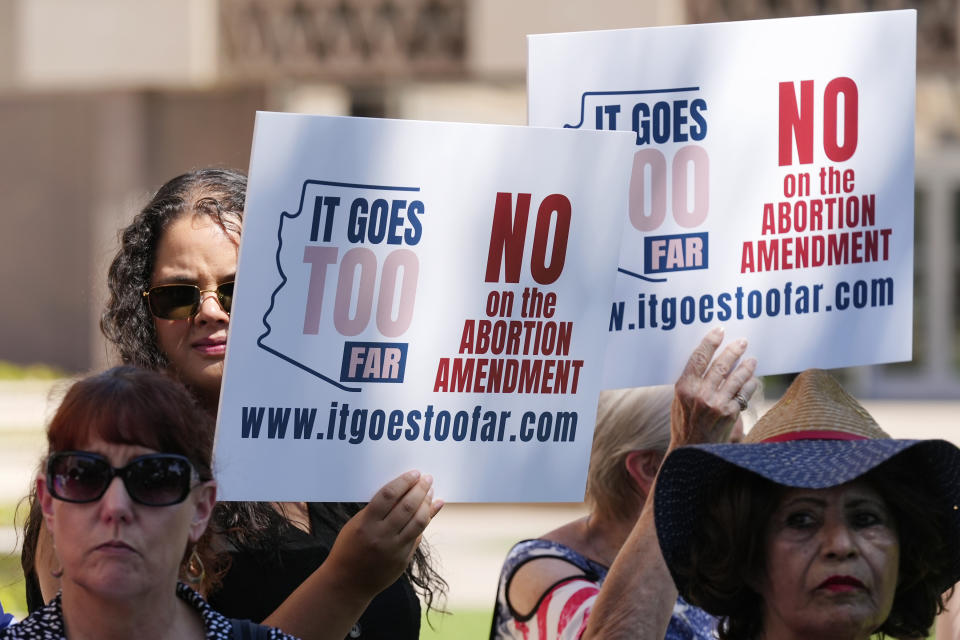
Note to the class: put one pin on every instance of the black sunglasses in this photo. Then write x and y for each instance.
(181, 301)
(155, 480)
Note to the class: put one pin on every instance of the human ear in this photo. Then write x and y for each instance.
(204, 500)
(642, 465)
(45, 500)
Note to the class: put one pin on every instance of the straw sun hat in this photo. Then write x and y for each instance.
(815, 437)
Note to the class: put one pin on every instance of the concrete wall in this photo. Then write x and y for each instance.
(76, 168)
(44, 224)
(113, 43)
(497, 29)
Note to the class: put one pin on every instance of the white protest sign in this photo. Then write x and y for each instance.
(419, 295)
(771, 189)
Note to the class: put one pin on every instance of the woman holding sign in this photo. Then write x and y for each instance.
(171, 287)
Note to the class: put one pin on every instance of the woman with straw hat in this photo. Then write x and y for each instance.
(818, 526)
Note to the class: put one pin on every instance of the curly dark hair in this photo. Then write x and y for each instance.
(727, 552)
(129, 326)
(126, 322)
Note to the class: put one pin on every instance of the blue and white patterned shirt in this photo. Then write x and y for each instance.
(46, 623)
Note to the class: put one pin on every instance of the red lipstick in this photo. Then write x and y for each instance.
(841, 583)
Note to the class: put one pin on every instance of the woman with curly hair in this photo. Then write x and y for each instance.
(818, 526)
(315, 570)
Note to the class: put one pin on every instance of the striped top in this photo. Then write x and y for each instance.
(563, 611)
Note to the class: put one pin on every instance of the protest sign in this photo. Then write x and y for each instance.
(419, 295)
(771, 189)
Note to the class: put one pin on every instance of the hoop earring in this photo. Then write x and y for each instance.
(195, 571)
(58, 572)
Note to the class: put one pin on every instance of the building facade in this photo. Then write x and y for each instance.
(102, 101)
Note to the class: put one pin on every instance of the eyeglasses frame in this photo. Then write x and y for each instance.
(120, 472)
(215, 291)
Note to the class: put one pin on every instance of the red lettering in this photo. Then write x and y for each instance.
(768, 224)
(466, 338)
(783, 217)
(838, 248)
(796, 123)
(507, 237)
(746, 258)
(554, 207)
(483, 336)
(819, 252)
(318, 258)
(440, 383)
(848, 88)
(768, 253)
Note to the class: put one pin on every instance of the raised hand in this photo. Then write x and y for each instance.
(711, 392)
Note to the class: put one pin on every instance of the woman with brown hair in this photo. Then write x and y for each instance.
(317, 570)
(126, 495)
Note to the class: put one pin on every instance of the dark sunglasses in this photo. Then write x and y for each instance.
(181, 301)
(155, 480)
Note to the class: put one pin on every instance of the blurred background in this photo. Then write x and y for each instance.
(101, 101)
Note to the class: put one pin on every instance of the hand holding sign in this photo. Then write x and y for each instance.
(376, 545)
(705, 405)
(371, 551)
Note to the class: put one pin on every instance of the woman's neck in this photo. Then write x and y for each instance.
(606, 534)
(596, 536)
(776, 629)
(296, 513)
(152, 616)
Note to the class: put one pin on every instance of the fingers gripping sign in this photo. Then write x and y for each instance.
(712, 391)
(379, 541)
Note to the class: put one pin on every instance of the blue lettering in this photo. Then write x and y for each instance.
(277, 422)
(250, 424)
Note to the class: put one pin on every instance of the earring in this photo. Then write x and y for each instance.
(195, 571)
(58, 572)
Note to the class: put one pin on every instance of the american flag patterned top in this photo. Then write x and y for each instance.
(563, 611)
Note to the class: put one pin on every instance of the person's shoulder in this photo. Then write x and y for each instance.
(524, 548)
(46, 622)
(551, 557)
(523, 552)
(215, 624)
(541, 567)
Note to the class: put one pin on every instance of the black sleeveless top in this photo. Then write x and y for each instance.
(259, 580)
